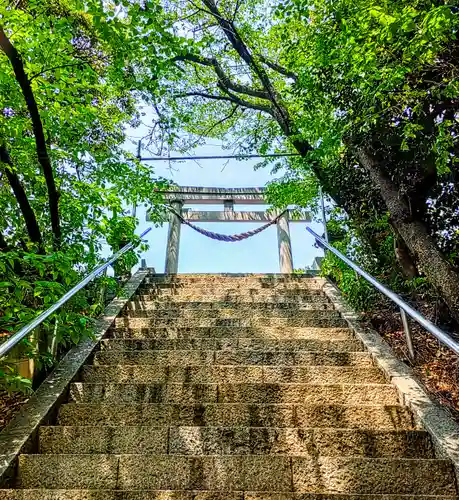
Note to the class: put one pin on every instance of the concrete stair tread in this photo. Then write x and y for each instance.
(234, 393)
(325, 319)
(248, 287)
(218, 305)
(153, 373)
(266, 333)
(241, 295)
(236, 473)
(236, 357)
(239, 414)
(230, 300)
(236, 312)
(195, 440)
(227, 332)
(216, 344)
(56, 494)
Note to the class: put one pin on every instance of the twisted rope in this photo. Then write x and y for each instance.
(227, 237)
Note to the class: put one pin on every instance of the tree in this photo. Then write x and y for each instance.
(71, 83)
(366, 93)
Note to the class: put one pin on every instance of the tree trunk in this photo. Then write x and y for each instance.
(30, 220)
(40, 141)
(3, 243)
(421, 245)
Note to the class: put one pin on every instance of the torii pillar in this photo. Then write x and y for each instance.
(173, 238)
(284, 244)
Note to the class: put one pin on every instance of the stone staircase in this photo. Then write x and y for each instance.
(232, 387)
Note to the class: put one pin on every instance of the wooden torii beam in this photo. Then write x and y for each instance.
(194, 195)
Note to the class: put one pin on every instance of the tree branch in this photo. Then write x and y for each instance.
(45, 70)
(216, 124)
(278, 111)
(222, 76)
(277, 67)
(229, 98)
(40, 141)
(30, 220)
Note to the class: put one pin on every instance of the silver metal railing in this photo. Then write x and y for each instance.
(20, 334)
(405, 309)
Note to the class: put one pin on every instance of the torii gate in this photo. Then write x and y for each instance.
(229, 197)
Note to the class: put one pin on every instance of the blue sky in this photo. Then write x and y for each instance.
(199, 254)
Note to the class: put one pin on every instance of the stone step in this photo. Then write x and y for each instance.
(42, 494)
(234, 276)
(214, 287)
(163, 299)
(224, 332)
(209, 280)
(239, 473)
(344, 341)
(255, 393)
(235, 357)
(323, 319)
(234, 441)
(219, 305)
(230, 415)
(219, 374)
(231, 294)
(150, 309)
(243, 313)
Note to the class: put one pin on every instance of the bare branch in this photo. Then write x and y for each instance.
(277, 67)
(222, 76)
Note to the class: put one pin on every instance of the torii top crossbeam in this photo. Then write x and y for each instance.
(214, 195)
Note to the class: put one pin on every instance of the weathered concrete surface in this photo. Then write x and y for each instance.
(143, 440)
(298, 441)
(174, 393)
(226, 332)
(194, 495)
(215, 339)
(327, 319)
(373, 475)
(104, 439)
(151, 308)
(202, 374)
(230, 473)
(244, 415)
(68, 471)
(349, 355)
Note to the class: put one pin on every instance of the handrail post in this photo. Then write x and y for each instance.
(439, 334)
(408, 337)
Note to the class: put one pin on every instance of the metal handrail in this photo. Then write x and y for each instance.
(404, 307)
(20, 334)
